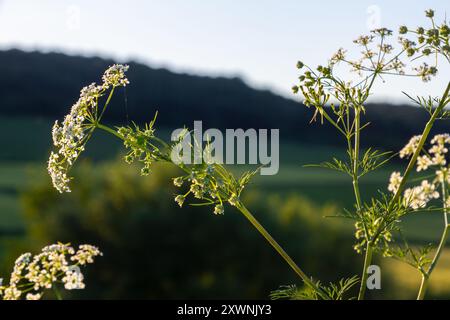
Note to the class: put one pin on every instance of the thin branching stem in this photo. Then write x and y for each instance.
(444, 236)
(281, 251)
(258, 227)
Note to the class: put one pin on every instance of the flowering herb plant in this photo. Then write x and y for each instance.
(56, 264)
(337, 101)
(380, 217)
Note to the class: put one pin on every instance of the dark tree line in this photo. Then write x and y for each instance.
(47, 84)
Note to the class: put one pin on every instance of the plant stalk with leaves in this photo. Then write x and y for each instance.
(209, 182)
(375, 221)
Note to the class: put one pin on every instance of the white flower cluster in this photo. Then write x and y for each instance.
(115, 76)
(58, 262)
(70, 136)
(394, 181)
(410, 147)
(418, 196)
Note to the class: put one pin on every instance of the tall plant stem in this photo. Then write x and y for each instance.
(356, 159)
(427, 274)
(367, 262)
(412, 162)
(355, 178)
(281, 251)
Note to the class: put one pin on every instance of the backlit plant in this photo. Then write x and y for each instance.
(56, 265)
(340, 102)
(377, 219)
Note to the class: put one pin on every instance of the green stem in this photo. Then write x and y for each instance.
(367, 262)
(433, 264)
(356, 159)
(56, 291)
(281, 251)
(355, 178)
(106, 104)
(114, 132)
(423, 287)
(109, 130)
(330, 120)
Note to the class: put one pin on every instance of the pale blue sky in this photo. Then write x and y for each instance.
(259, 40)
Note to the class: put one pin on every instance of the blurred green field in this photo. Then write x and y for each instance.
(24, 154)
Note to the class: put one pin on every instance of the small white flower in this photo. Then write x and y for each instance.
(233, 200)
(178, 182)
(218, 209)
(410, 147)
(115, 76)
(179, 199)
(429, 190)
(86, 254)
(412, 198)
(394, 181)
(442, 175)
(441, 139)
(36, 296)
(419, 196)
(439, 159)
(73, 280)
(12, 293)
(423, 162)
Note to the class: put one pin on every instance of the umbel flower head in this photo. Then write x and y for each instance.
(70, 136)
(417, 197)
(32, 275)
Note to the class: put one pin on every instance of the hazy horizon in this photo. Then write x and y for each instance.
(257, 41)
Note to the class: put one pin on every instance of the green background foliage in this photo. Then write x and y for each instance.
(153, 249)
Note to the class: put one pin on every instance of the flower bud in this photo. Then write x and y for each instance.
(429, 13)
(433, 70)
(444, 30)
(403, 30)
(300, 65)
(426, 52)
(145, 171)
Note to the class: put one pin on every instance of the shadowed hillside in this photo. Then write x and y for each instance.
(47, 84)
